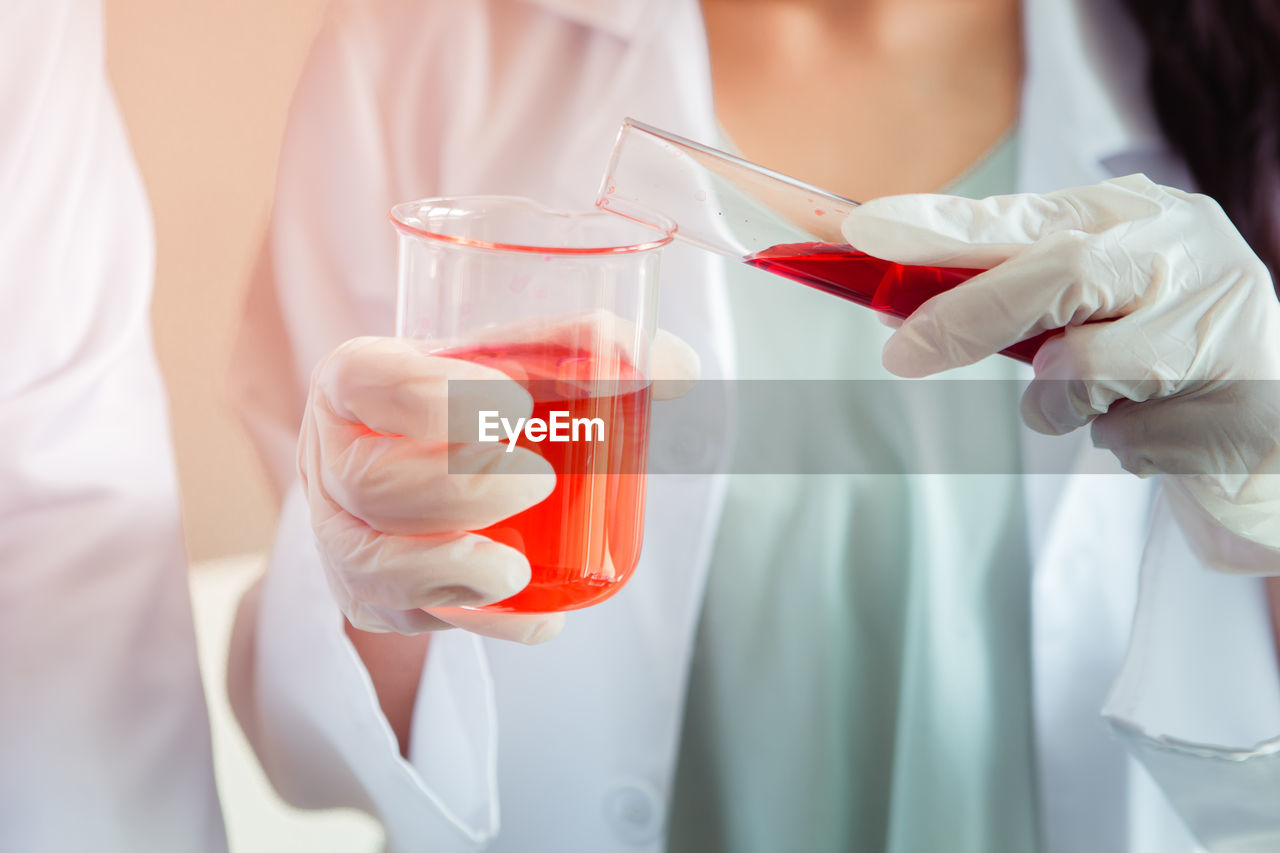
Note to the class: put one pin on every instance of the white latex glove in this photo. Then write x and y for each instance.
(391, 522)
(1172, 340)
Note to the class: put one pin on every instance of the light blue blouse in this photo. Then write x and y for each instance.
(861, 679)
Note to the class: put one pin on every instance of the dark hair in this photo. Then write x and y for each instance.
(1214, 77)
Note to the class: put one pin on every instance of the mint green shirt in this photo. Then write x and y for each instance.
(861, 677)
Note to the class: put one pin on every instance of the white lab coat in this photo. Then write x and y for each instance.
(104, 739)
(573, 743)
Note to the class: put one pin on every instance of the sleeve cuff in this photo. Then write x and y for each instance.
(319, 730)
(1198, 697)
(1219, 548)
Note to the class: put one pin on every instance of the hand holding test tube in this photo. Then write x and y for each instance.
(1171, 349)
(773, 222)
(1142, 309)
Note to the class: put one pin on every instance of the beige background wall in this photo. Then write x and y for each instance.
(204, 86)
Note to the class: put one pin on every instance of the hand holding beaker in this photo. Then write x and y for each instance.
(436, 497)
(391, 524)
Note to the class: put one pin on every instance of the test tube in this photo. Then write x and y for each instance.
(734, 207)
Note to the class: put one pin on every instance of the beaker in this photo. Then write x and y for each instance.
(566, 305)
(763, 218)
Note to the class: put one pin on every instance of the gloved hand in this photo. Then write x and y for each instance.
(391, 522)
(1172, 340)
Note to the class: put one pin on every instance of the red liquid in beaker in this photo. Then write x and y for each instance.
(896, 289)
(583, 540)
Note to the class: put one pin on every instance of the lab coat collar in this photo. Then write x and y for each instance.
(1086, 88)
(1088, 65)
(622, 18)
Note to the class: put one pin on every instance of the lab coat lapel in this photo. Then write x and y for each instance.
(1086, 117)
(1084, 96)
(1084, 110)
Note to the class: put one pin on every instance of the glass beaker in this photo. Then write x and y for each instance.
(566, 305)
(763, 218)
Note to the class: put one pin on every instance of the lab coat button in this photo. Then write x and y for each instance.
(634, 812)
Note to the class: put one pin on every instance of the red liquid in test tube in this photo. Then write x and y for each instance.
(896, 289)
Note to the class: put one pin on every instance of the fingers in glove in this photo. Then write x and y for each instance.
(944, 230)
(527, 628)
(1068, 278)
(1184, 435)
(387, 620)
(397, 485)
(674, 366)
(390, 386)
(404, 572)
(1083, 372)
